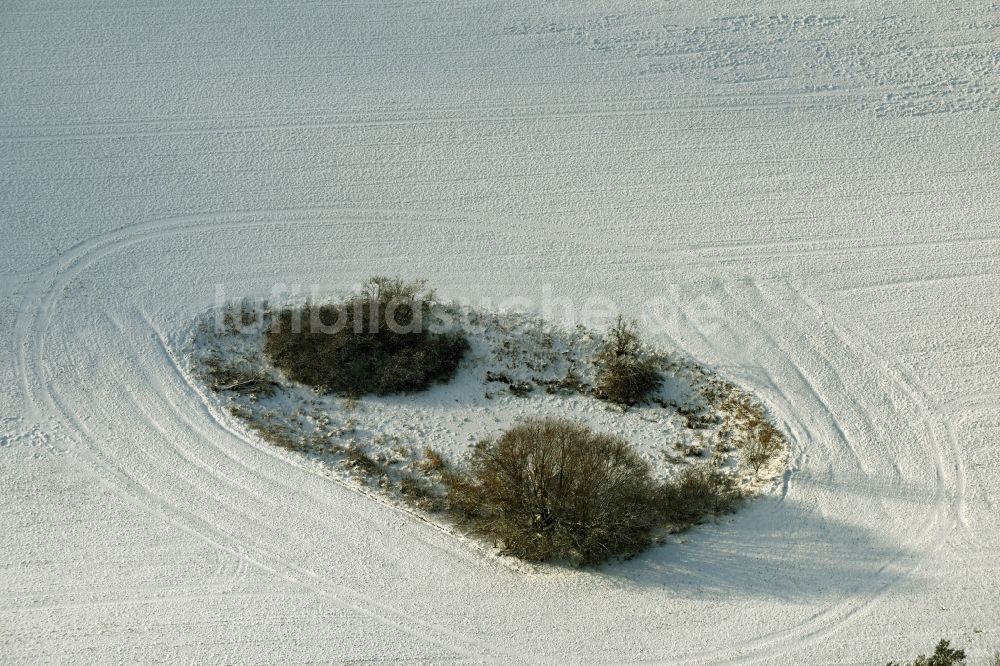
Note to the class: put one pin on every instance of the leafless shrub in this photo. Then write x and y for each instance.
(626, 372)
(698, 492)
(944, 655)
(553, 490)
(757, 438)
(761, 445)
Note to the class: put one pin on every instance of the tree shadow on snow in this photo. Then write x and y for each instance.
(770, 549)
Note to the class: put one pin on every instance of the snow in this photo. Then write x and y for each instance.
(518, 367)
(800, 194)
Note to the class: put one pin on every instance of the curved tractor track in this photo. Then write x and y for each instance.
(847, 506)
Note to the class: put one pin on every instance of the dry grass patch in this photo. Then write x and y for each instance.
(758, 440)
(554, 490)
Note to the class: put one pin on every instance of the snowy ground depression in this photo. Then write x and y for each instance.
(807, 191)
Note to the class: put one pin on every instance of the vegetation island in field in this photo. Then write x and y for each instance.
(554, 443)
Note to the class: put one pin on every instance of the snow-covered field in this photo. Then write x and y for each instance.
(806, 192)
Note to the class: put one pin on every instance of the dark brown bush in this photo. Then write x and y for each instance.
(626, 373)
(944, 655)
(376, 342)
(698, 492)
(553, 490)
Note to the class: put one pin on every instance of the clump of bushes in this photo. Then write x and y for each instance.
(554, 490)
(376, 342)
(944, 655)
(698, 492)
(626, 371)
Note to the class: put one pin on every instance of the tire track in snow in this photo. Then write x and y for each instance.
(932, 409)
(820, 417)
(506, 114)
(32, 327)
(940, 516)
(795, 347)
(264, 490)
(188, 389)
(936, 412)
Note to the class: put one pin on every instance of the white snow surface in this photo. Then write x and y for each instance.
(807, 189)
